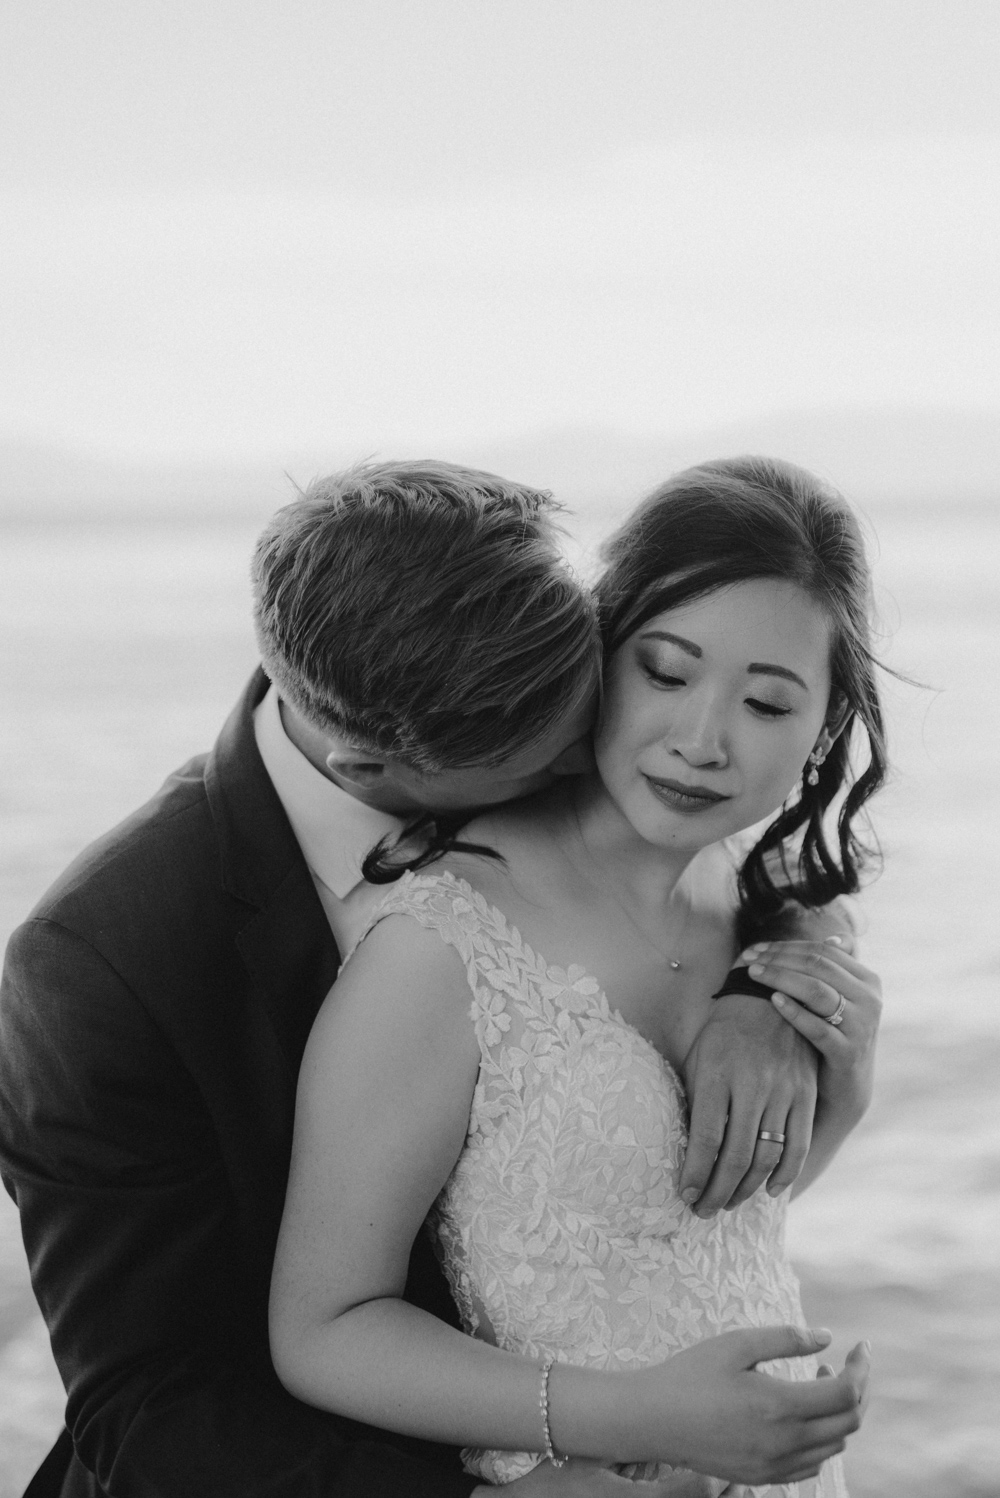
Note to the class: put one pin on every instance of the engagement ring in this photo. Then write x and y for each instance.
(837, 1017)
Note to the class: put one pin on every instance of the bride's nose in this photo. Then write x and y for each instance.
(698, 733)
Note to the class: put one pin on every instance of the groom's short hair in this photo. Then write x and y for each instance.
(423, 611)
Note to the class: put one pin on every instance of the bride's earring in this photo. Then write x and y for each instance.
(816, 758)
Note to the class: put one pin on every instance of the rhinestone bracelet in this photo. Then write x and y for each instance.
(543, 1403)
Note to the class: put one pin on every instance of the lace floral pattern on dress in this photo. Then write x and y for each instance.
(560, 1228)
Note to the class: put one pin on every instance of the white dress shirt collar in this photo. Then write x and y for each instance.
(333, 829)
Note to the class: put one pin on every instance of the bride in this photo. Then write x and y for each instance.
(500, 1054)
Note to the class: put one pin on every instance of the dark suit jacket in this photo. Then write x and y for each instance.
(153, 1014)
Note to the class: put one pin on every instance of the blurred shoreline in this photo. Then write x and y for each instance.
(882, 456)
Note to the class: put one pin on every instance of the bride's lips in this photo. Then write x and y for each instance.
(685, 798)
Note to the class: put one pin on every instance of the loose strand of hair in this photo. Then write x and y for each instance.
(435, 835)
(818, 877)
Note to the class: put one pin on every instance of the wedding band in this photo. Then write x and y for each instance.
(837, 1017)
(771, 1138)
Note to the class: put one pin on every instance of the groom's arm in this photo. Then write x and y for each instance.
(128, 1221)
(746, 1073)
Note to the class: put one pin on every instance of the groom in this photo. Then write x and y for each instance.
(427, 652)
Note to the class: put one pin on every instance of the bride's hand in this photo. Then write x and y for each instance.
(729, 1417)
(834, 1001)
(726, 1417)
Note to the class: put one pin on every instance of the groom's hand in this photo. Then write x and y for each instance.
(744, 1076)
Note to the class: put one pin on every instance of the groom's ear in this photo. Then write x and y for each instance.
(366, 774)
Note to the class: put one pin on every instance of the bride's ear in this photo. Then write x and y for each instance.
(839, 715)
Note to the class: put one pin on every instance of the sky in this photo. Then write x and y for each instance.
(236, 230)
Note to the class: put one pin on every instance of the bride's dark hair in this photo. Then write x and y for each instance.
(732, 521)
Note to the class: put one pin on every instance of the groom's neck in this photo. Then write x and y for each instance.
(317, 746)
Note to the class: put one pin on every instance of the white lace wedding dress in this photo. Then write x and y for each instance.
(560, 1228)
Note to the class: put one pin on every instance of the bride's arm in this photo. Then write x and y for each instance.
(382, 1113)
(383, 1108)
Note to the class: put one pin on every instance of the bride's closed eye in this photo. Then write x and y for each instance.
(767, 709)
(658, 670)
(663, 678)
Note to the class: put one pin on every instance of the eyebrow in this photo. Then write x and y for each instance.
(687, 645)
(756, 668)
(761, 668)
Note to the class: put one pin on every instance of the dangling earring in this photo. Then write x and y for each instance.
(816, 758)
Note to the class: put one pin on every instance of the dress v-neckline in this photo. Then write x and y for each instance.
(513, 935)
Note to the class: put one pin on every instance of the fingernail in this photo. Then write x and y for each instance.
(755, 950)
(822, 1334)
(690, 1195)
(756, 968)
(867, 1346)
(835, 941)
(780, 1000)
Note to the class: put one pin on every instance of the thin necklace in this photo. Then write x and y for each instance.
(673, 962)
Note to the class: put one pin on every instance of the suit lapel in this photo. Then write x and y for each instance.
(286, 943)
(292, 959)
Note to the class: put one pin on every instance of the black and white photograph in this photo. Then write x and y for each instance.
(499, 770)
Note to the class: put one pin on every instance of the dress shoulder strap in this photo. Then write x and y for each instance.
(445, 904)
(498, 966)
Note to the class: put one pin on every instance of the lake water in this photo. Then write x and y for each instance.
(123, 647)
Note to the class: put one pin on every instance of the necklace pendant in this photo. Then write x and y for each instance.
(674, 965)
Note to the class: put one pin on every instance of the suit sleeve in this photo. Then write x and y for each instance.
(126, 1220)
